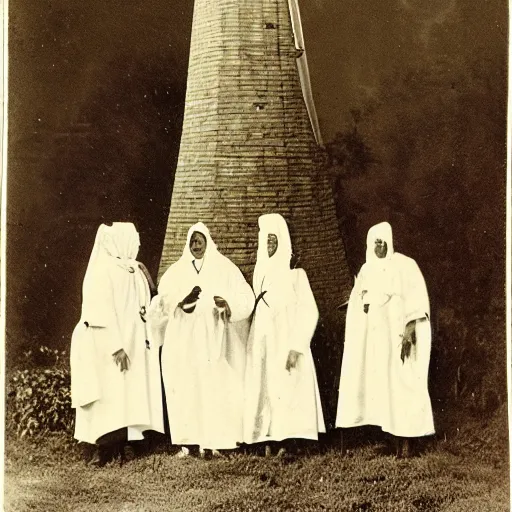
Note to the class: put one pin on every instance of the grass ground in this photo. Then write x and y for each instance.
(467, 473)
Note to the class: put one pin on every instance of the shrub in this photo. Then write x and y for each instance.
(39, 398)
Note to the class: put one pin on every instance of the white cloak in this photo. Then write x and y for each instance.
(281, 404)
(376, 387)
(203, 355)
(115, 296)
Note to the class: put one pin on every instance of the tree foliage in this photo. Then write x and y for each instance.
(38, 394)
(114, 164)
(430, 159)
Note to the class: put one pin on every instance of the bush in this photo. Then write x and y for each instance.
(38, 398)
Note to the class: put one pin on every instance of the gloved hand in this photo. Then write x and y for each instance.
(222, 303)
(122, 360)
(408, 340)
(192, 297)
(293, 359)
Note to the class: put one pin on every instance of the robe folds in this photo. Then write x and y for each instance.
(281, 403)
(116, 296)
(376, 387)
(203, 354)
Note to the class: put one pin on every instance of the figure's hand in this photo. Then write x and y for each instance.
(408, 340)
(406, 350)
(366, 308)
(293, 359)
(191, 297)
(410, 330)
(122, 360)
(222, 303)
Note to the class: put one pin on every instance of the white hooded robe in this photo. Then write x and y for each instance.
(376, 387)
(203, 355)
(281, 404)
(115, 298)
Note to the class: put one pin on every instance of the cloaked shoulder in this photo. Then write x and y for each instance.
(306, 313)
(301, 284)
(224, 260)
(402, 259)
(168, 277)
(300, 276)
(362, 270)
(417, 304)
(299, 272)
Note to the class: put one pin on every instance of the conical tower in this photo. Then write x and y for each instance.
(248, 145)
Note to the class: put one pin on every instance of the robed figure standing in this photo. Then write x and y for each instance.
(201, 312)
(384, 372)
(115, 369)
(282, 399)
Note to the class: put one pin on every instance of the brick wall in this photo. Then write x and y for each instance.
(247, 147)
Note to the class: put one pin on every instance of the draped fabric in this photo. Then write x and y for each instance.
(302, 66)
(376, 387)
(281, 404)
(203, 355)
(115, 296)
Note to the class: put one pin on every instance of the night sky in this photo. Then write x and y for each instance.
(59, 49)
(73, 62)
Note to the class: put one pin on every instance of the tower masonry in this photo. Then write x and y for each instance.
(249, 144)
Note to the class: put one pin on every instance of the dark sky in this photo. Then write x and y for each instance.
(350, 45)
(60, 64)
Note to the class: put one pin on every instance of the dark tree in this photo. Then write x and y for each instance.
(428, 155)
(115, 163)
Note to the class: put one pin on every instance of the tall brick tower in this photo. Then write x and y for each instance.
(248, 145)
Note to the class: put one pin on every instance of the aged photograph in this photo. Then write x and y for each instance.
(255, 255)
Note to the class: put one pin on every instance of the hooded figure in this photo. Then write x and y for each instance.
(115, 370)
(282, 400)
(201, 314)
(384, 373)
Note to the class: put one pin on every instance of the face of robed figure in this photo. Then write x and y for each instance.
(381, 248)
(197, 244)
(271, 244)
